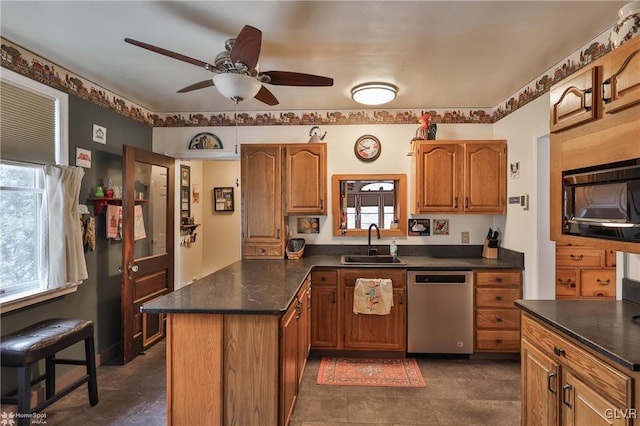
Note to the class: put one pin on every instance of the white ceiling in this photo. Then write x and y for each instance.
(441, 54)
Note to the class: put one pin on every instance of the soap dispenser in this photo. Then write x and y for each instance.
(393, 248)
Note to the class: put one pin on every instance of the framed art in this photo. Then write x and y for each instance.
(419, 227)
(185, 175)
(223, 199)
(185, 185)
(308, 225)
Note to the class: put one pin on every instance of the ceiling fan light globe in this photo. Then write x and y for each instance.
(236, 87)
(374, 93)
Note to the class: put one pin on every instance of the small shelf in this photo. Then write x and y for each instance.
(190, 228)
(100, 203)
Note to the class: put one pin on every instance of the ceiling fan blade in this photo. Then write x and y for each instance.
(196, 86)
(246, 48)
(286, 78)
(170, 54)
(264, 95)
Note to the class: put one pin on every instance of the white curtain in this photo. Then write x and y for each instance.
(63, 262)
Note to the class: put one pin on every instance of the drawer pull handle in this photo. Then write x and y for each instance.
(323, 278)
(558, 351)
(600, 294)
(550, 377)
(568, 282)
(499, 341)
(498, 319)
(498, 297)
(499, 279)
(566, 390)
(577, 258)
(335, 298)
(605, 282)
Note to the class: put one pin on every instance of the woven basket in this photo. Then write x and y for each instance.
(295, 248)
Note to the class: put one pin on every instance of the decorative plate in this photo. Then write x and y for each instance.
(205, 140)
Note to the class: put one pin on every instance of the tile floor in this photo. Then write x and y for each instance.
(457, 392)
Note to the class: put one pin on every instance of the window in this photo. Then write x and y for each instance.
(33, 130)
(372, 203)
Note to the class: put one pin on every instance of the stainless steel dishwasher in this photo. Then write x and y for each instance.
(440, 312)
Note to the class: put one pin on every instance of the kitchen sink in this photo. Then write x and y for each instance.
(353, 259)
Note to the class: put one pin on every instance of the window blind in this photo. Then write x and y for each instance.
(27, 125)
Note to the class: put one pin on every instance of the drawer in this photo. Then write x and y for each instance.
(496, 297)
(586, 366)
(499, 277)
(259, 250)
(566, 282)
(577, 257)
(397, 276)
(610, 258)
(498, 318)
(324, 277)
(598, 282)
(498, 340)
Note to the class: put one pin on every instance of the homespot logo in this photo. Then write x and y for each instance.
(11, 418)
(617, 413)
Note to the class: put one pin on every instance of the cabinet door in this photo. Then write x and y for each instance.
(288, 363)
(622, 89)
(584, 405)
(303, 328)
(438, 178)
(324, 311)
(306, 178)
(262, 218)
(485, 178)
(566, 283)
(375, 332)
(577, 100)
(598, 283)
(540, 382)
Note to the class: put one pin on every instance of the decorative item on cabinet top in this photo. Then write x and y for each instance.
(314, 134)
(627, 26)
(205, 140)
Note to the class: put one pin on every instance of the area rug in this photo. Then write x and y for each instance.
(402, 372)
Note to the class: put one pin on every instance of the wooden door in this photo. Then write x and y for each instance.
(147, 249)
(375, 332)
(438, 181)
(485, 178)
(304, 299)
(540, 382)
(306, 179)
(262, 219)
(324, 309)
(623, 86)
(577, 100)
(288, 363)
(585, 405)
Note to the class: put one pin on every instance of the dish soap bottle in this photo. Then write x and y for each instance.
(393, 249)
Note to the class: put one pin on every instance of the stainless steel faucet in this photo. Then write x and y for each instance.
(371, 251)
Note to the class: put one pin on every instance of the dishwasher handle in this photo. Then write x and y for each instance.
(440, 278)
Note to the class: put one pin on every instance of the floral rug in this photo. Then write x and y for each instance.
(403, 372)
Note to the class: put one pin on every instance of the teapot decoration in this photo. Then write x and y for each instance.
(315, 136)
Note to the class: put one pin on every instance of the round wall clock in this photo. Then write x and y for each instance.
(367, 148)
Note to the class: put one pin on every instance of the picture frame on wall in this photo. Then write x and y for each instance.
(223, 199)
(185, 175)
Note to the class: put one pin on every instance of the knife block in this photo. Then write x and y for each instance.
(489, 252)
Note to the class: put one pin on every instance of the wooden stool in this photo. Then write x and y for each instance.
(43, 340)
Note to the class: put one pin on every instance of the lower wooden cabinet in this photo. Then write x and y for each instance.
(562, 383)
(585, 273)
(336, 327)
(294, 350)
(496, 319)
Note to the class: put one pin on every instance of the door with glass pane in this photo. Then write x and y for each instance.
(147, 255)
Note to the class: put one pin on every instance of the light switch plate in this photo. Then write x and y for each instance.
(465, 237)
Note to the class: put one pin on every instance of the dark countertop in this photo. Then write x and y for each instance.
(269, 286)
(602, 325)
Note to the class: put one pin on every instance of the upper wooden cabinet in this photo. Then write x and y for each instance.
(576, 100)
(262, 218)
(622, 87)
(305, 178)
(461, 176)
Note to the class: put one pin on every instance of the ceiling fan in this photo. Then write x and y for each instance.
(238, 76)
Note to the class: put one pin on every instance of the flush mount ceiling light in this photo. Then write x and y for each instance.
(237, 87)
(374, 93)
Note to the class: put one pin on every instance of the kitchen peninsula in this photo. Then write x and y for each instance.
(230, 355)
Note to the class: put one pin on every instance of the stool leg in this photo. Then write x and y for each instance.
(24, 394)
(50, 381)
(90, 355)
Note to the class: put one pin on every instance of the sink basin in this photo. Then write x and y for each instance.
(349, 259)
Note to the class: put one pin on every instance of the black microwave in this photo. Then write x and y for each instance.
(603, 202)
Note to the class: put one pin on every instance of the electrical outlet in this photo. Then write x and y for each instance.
(465, 237)
(524, 201)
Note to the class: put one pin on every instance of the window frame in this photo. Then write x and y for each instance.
(26, 298)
